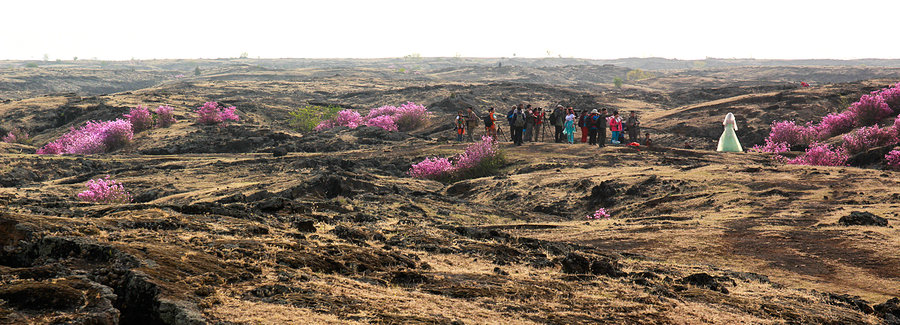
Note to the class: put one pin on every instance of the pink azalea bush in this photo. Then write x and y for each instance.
(600, 214)
(893, 159)
(213, 113)
(16, 136)
(409, 116)
(479, 160)
(140, 119)
(819, 154)
(868, 137)
(105, 190)
(791, 133)
(837, 123)
(164, 116)
(384, 121)
(869, 109)
(891, 97)
(92, 138)
(771, 147)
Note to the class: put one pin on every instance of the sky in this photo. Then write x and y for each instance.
(122, 30)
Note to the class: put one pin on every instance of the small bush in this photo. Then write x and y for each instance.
(793, 134)
(92, 138)
(407, 117)
(599, 214)
(819, 154)
(893, 159)
(617, 82)
(771, 147)
(165, 116)
(140, 119)
(105, 190)
(870, 109)
(213, 113)
(891, 97)
(384, 121)
(838, 123)
(479, 160)
(412, 116)
(869, 137)
(16, 136)
(305, 119)
(31, 65)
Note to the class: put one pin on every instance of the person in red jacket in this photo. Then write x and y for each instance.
(583, 126)
(615, 125)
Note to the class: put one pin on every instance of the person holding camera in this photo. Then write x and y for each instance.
(516, 119)
(490, 124)
(557, 119)
(538, 123)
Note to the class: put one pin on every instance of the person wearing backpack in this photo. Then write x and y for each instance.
(460, 126)
(490, 124)
(516, 124)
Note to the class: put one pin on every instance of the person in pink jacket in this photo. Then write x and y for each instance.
(615, 125)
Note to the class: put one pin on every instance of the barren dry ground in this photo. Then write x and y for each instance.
(223, 231)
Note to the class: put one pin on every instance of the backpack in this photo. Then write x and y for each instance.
(518, 120)
(487, 121)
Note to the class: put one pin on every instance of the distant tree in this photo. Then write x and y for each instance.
(244, 55)
(638, 74)
(74, 58)
(618, 82)
(197, 71)
(46, 57)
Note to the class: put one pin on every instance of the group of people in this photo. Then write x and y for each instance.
(526, 123)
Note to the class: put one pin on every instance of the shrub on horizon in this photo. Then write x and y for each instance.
(16, 136)
(869, 137)
(140, 119)
(820, 154)
(165, 116)
(92, 138)
(893, 159)
(213, 113)
(105, 190)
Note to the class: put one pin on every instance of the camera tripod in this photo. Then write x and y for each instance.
(546, 127)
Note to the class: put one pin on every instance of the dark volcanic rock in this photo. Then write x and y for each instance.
(704, 280)
(575, 263)
(306, 225)
(854, 302)
(18, 176)
(42, 296)
(857, 218)
(603, 194)
(890, 308)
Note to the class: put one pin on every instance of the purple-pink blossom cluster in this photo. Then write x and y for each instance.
(893, 159)
(599, 214)
(15, 136)
(868, 137)
(837, 123)
(213, 113)
(164, 116)
(105, 190)
(407, 117)
(438, 168)
(820, 154)
(140, 119)
(772, 147)
(870, 109)
(791, 133)
(92, 138)
(891, 96)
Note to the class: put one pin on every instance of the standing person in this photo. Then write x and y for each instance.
(583, 125)
(615, 126)
(633, 125)
(593, 123)
(558, 118)
(729, 142)
(516, 123)
(460, 126)
(570, 126)
(529, 123)
(471, 123)
(490, 124)
(603, 124)
(538, 123)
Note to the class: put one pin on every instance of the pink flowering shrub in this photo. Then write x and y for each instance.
(819, 154)
(599, 214)
(869, 109)
(105, 190)
(771, 147)
(837, 123)
(893, 159)
(432, 168)
(384, 121)
(479, 160)
(140, 119)
(409, 116)
(213, 113)
(16, 136)
(92, 138)
(164, 116)
(869, 137)
(891, 97)
(793, 134)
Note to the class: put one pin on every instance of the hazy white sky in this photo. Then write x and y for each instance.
(588, 29)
